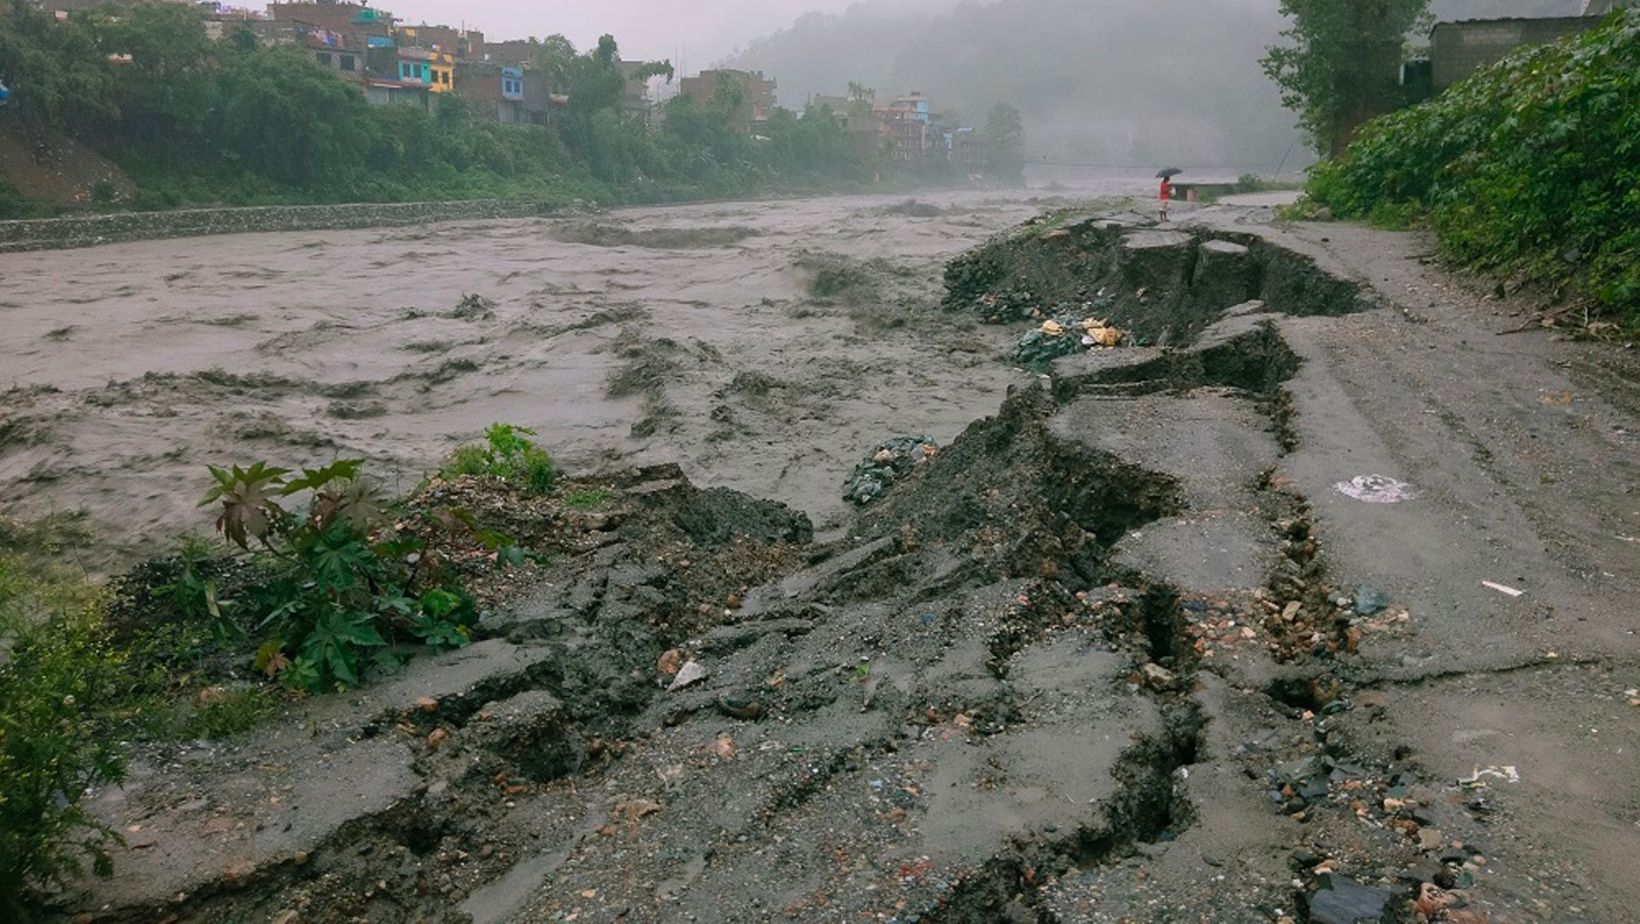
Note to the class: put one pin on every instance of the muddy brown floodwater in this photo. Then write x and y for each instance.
(763, 346)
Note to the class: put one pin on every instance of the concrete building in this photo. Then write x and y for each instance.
(493, 90)
(757, 93)
(1458, 49)
(463, 43)
(511, 53)
(343, 18)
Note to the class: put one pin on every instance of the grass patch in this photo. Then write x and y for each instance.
(590, 499)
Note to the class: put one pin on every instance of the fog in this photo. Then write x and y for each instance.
(1103, 84)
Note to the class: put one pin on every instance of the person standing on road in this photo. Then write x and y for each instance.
(1166, 195)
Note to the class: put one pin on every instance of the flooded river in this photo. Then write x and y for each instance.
(763, 346)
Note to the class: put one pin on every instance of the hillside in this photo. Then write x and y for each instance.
(45, 166)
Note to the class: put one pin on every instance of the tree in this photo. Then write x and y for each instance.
(1005, 143)
(554, 56)
(1343, 66)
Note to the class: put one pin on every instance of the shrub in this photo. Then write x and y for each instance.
(341, 578)
(506, 453)
(1532, 166)
(57, 670)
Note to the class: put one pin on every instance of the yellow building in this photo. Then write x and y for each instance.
(442, 73)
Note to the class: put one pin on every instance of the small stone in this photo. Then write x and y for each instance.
(1345, 901)
(691, 672)
(1370, 601)
(1430, 839)
(1290, 611)
(287, 916)
(436, 738)
(1159, 678)
(670, 662)
(427, 704)
(739, 706)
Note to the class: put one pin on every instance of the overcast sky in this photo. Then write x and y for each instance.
(707, 29)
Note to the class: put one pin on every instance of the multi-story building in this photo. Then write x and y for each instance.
(757, 93)
(341, 18)
(463, 43)
(493, 90)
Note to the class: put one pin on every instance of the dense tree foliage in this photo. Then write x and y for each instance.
(1005, 142)
(193, 120)
(1532, 165)
(1343, 63)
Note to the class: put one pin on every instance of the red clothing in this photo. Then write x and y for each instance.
(1167, 191)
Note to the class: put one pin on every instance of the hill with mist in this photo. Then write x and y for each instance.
(1109, 82)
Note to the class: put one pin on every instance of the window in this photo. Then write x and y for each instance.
(347, 63)
(323, 56)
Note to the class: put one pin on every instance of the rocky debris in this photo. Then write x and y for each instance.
(887, 463)
(1063, 335)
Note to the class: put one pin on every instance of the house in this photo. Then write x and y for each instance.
(1459, 49)
(635, 92)
(463, 43)
(903, 128)
(757, 93)
(493, 90)
(512, 53)
(333, 50)
(341, 18)
(408, 76)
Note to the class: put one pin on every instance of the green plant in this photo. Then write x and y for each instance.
(590, 499)
(340, 577)
(506, 453)
(1529, 167)
(57, 670)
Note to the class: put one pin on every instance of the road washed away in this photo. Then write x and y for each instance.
(1117, 647)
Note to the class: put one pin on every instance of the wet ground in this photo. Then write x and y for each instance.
(1320, 612)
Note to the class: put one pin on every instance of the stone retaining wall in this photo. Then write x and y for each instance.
(64, 233)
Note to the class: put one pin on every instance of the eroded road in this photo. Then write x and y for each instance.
(1138, 647)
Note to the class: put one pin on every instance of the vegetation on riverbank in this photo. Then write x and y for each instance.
(192, 121)
(1529, 169)
(320, 582)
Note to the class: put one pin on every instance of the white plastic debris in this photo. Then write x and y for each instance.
(1375, 489)
(1477, 780)
(1502, 589)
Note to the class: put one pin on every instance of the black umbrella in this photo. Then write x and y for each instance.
(1168, 173)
